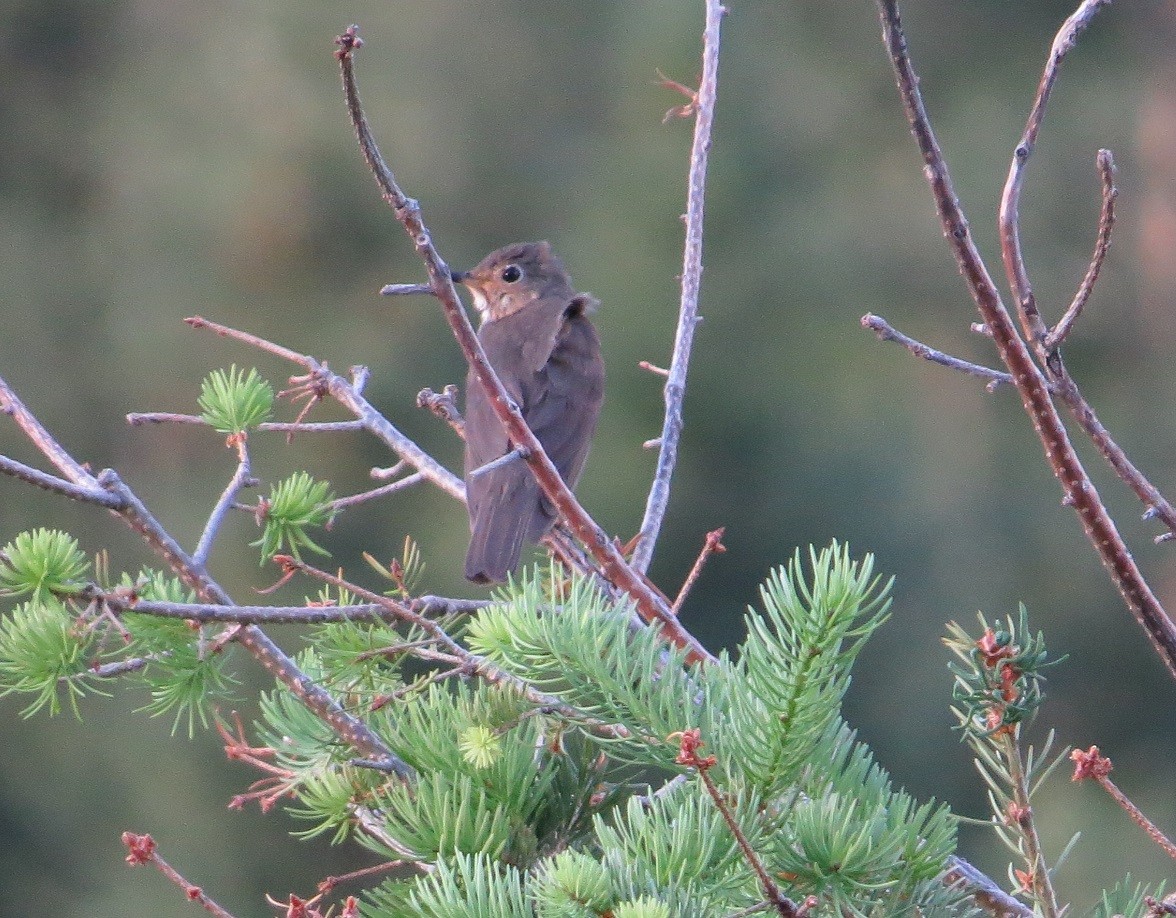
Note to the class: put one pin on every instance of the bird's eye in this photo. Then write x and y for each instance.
(511, 273)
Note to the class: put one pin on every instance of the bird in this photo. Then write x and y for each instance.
(538, 337)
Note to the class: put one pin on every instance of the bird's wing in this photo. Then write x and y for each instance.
(562, 402)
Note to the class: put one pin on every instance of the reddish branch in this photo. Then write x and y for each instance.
(649, 604)
(1102, 243)
(712, 546)
(1079, 491)
(141, 849)
(689, 742)
(1093, 765)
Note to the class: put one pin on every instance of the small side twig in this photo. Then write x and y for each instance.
(400, 484)
(1106, 224)
(515, 455)
(689, 742)
(405, 289)
(1092, 764)
(48, 482)
(349, 395)
(444, 405)
(712, 545)
(1010, 231)
(887, 332)
(142, 850)
(242, 478)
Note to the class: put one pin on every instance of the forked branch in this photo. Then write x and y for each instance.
(1078, 490)
(651, 606)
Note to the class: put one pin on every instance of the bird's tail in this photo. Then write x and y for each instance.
(497, 536)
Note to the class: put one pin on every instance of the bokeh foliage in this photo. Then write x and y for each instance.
(168, 159)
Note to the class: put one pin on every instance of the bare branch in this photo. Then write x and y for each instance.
(405, 289)
(647, 601)
(1106, 224)
(304, 615)
(1010, 231)
(712, 545)
(1079, 491)
(11, 405)
(242, 478)
(349, 395)
(688, 317)
(57, 485)
(399, 485)
(887, 332)
(139, 418)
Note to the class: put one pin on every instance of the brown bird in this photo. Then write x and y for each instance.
(537, 335)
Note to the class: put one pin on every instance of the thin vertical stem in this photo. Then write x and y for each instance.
(688, 318)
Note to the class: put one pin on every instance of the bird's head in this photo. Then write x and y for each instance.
(509, 278)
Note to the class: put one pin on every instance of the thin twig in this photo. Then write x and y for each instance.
(57, 485)
(310, 426)
(516, 454)
(70, 468)
(399, 485)
(1063, 385)
(349, 395)
(1010, 232)
(887, 332)
(689, 742)
(1092, 764)
(141, 850)
(242, 478)
(688, 317)
(139, 418)
(405, 289)
(712, 545)
(1079, 490)
(444, 405)
(613, 566)
(1106, 224)
(252, 615)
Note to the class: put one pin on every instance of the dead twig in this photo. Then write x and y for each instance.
(1079, 492)
(887, 332)
(703, 107)
(1106, 224)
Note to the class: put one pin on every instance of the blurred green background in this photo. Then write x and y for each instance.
(159, 160)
